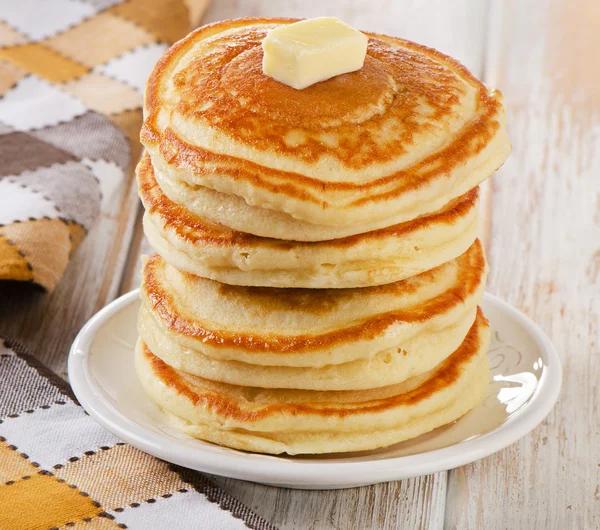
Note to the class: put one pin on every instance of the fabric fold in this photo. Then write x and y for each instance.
(71, 89)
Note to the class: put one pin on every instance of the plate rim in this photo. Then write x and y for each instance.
(322, 474)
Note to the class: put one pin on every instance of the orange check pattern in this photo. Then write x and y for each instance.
(72, 74)
(59, 469)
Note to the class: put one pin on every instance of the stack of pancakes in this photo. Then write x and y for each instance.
(318, 273)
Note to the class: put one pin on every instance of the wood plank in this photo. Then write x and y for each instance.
(416, 503)
(139, 247)
(545, 259)
(456, 28)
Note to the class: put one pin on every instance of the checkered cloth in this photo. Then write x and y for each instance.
(72, 74)
(60, 469)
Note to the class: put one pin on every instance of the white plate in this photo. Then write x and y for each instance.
(526, 379)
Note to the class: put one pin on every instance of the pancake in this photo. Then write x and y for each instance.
(306, 327)
(204, 248)
(398, 139)
(235, 213)
(416, 355)
(302, 421)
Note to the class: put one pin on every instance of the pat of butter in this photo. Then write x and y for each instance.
(310, 51)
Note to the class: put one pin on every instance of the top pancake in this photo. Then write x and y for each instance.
(402, 137)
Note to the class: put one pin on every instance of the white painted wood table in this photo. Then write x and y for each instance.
(542, 232)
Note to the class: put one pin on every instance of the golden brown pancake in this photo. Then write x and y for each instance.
(307, 327)
(414, 356)
(302, 421)
(204, 248)
(400, 138)
(318, 273)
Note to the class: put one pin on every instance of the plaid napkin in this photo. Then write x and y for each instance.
(60, 469)
(72, 74)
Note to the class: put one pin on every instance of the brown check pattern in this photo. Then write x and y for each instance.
(72, 74)
(60, 469)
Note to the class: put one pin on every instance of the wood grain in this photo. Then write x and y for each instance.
(544, 254)
(415, 503)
